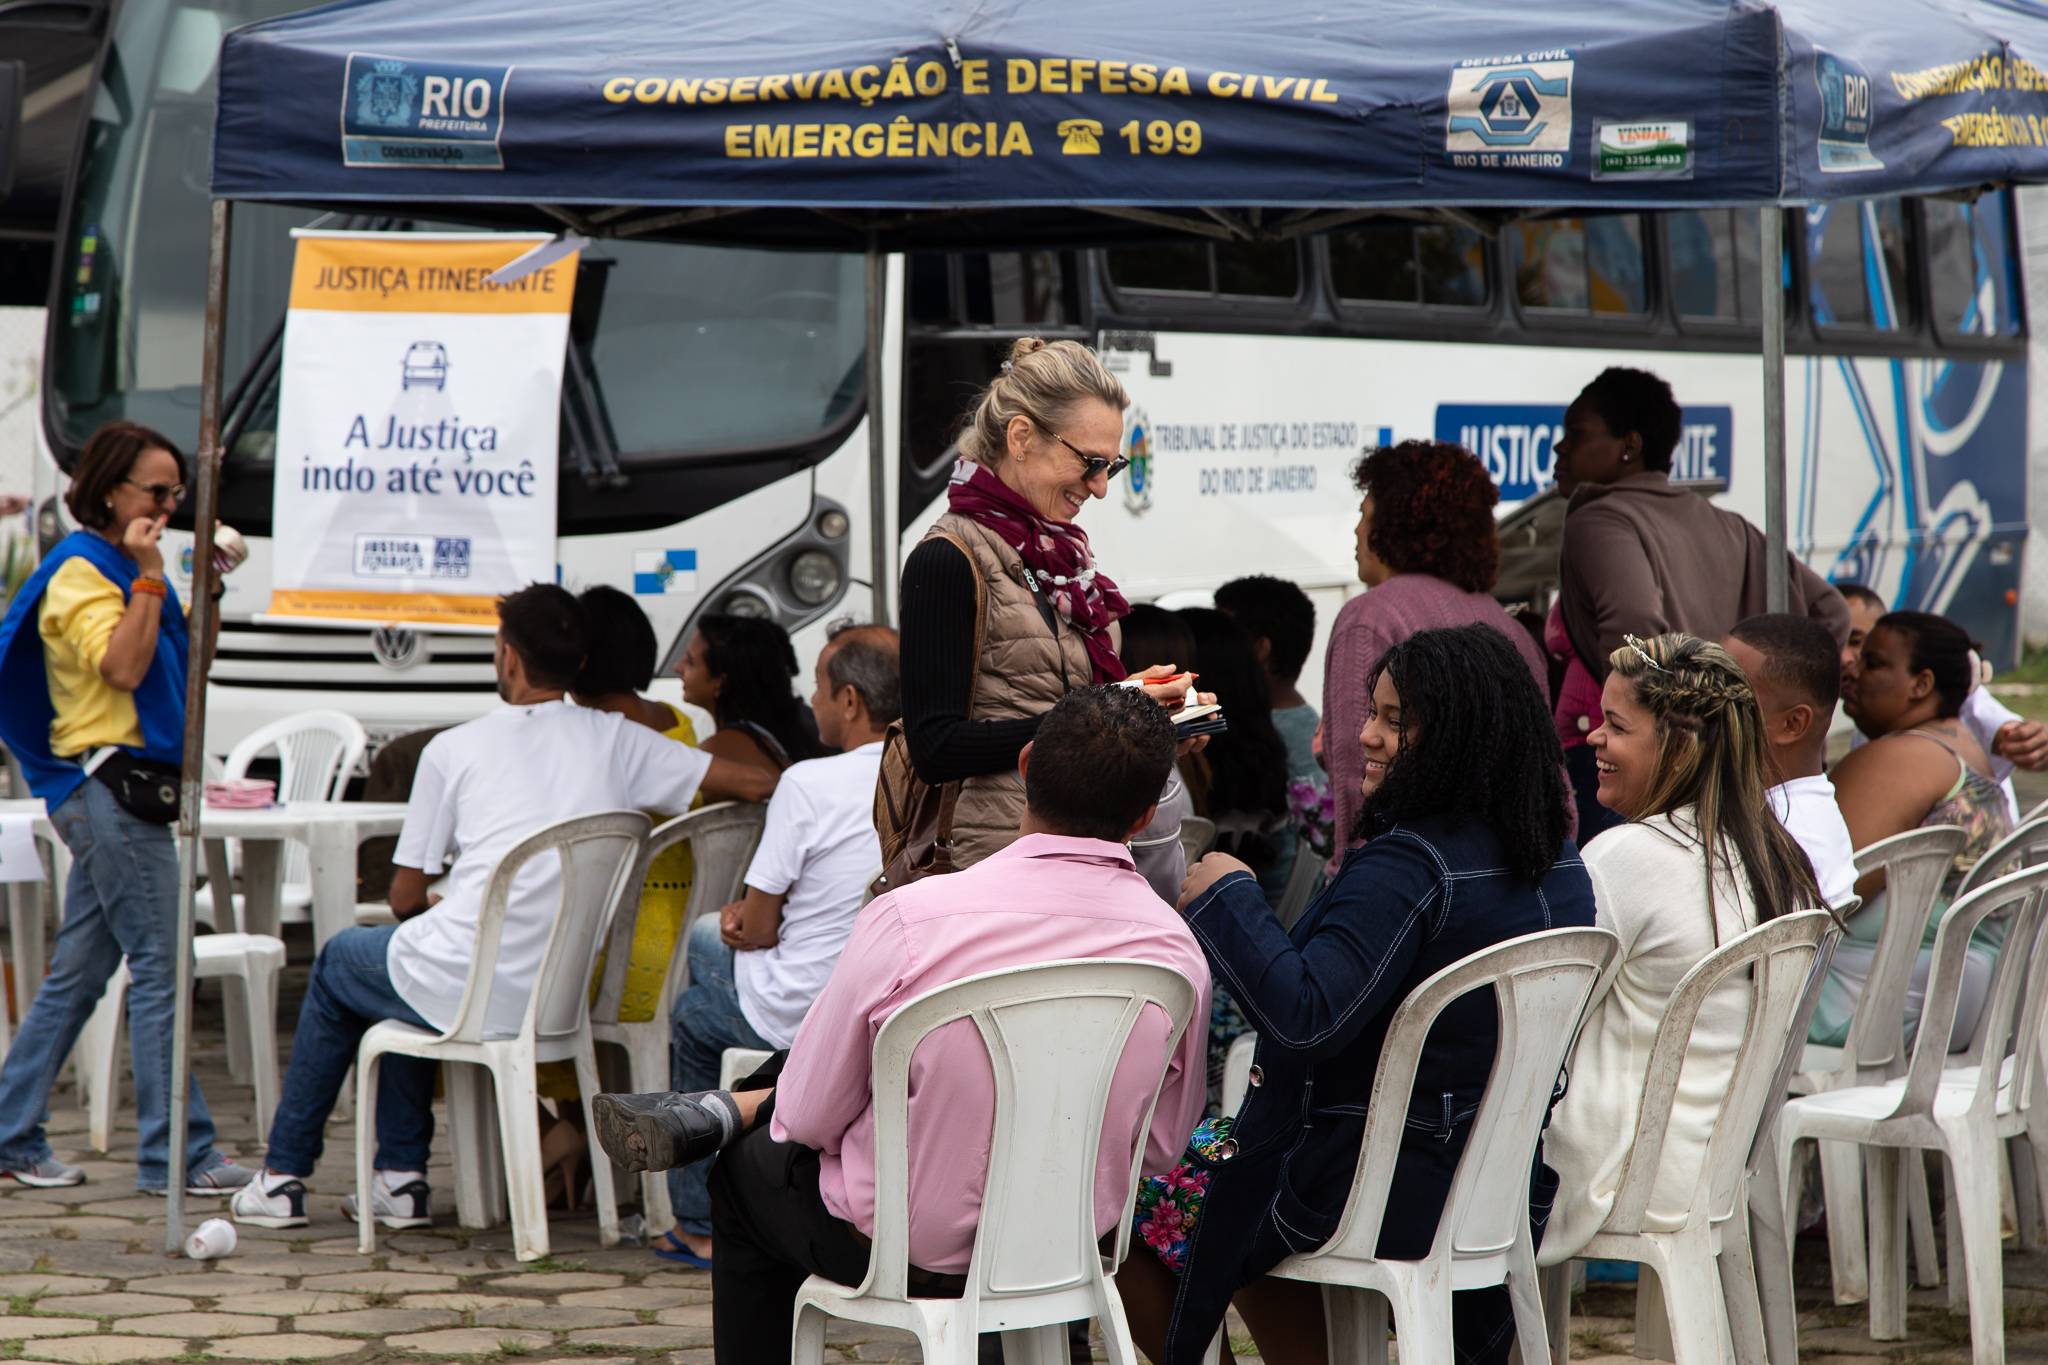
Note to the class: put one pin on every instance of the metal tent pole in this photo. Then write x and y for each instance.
(1771, 224)
(881, 536)
(199, 623)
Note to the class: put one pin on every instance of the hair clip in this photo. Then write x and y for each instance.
(1637, 645)
(1006, 366)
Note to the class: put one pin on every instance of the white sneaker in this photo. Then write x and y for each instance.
(281, 1205)
(408, 1206)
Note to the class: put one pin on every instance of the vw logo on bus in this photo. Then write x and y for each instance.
(395, 646)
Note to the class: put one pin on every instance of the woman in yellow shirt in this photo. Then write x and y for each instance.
(93, 664)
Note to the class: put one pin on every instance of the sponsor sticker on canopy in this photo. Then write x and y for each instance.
(1644, 149)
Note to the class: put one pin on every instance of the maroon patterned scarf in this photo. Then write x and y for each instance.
(1057, 554)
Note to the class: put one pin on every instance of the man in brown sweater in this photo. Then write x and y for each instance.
(1641, 557)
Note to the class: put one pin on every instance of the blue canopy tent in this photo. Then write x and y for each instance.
(924, 124)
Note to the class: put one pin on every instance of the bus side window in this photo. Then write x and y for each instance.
(1856, 260)
(1580, 265)
(1970, 258)
(1265, 270)
(1440, 266)
(1714, 263)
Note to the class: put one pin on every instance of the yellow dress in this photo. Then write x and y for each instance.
(664, 897)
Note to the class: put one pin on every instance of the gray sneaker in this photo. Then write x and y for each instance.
(49, 1173)
(225, 1178)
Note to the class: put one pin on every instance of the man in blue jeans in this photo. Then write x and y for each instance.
(755, 970)
(481, 788)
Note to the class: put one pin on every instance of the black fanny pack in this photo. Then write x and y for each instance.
(146, 789)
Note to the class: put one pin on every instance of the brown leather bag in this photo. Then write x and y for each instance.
(913, 818)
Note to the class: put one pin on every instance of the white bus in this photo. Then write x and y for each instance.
(712, 416)
(1260, 371)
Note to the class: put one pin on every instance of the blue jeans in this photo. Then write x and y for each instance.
(120, 900)
(351, 990)
(705, 1021)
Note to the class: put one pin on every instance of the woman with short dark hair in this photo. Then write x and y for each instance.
(93, 674)
(1462, 786)
(1923, 767)
(1428, 555)
(740, 669)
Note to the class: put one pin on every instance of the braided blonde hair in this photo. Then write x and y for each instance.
(1042, 380)
(1712, 756)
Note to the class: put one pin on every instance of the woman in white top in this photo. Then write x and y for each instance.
(1681, 750)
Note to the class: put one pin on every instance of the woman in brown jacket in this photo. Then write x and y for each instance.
(1042, 440)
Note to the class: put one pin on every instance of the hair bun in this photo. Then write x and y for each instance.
(1025, 346)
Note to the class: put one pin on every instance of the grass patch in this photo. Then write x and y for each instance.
(513, 1346)
(549, 1263)
(380, 1300)
(1595, 1342)
(24, 1305)
(43, 1266)
(64, 1234)
(646, 1315)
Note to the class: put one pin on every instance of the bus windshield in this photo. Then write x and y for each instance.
(689, 350)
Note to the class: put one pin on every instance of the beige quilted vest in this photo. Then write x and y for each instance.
(1024, 671)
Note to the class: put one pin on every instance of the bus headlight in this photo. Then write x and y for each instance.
(813, 578)
(833, 525)
(747, 604)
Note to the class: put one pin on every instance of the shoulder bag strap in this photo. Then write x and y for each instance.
(1052, 623)
(949, 794)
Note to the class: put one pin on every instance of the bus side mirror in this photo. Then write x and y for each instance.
(13, 86)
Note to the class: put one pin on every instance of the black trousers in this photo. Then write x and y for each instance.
(771, 1230)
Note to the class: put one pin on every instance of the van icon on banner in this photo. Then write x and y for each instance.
(400, 113)
(1513, 112)
(1517, 442)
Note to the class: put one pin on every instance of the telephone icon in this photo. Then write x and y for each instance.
(1081, 135)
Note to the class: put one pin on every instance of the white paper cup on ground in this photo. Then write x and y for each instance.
(214, 1239)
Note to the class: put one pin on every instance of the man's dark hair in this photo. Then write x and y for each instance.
(1800, 653)
(1099, 759)
(546, 626)
(1936, 645)
(109, 454)
(1477, 740)
(866, 659)
(1857, 592)
(622, 644)
(1636, 400)
(1277, 611)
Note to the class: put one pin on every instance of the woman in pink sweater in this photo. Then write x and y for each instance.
(1428, 556)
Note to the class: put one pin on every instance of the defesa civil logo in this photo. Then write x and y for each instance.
(1511, 112)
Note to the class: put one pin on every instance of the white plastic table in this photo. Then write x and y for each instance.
(331, 831)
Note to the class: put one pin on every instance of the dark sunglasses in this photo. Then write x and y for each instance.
(1092, 464)
(158, 492)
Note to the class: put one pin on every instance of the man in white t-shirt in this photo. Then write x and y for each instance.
(1795, 667)
(755, 970)
(2010, 740)
(481, 788)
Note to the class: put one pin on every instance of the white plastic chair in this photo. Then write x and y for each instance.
(1541, 984)
(1704, 1268)
(1055, 1033)
(722, 841)
(1965, 1112)
(1915, 864)
(318, 752)
(596, 852)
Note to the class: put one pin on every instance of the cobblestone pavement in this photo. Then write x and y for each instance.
(85, 1278)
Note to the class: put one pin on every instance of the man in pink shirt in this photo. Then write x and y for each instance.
(795, 1196)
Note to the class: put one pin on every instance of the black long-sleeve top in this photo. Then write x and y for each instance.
(937, 653)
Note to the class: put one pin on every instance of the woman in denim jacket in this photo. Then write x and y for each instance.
(1467, 813)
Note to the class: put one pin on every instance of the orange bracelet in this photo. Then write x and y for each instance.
(154, 586)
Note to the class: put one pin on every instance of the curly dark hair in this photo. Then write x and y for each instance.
(754, 657)
(1477, 739)
(1432, 512)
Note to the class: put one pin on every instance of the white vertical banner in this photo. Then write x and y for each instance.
(418, 427)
